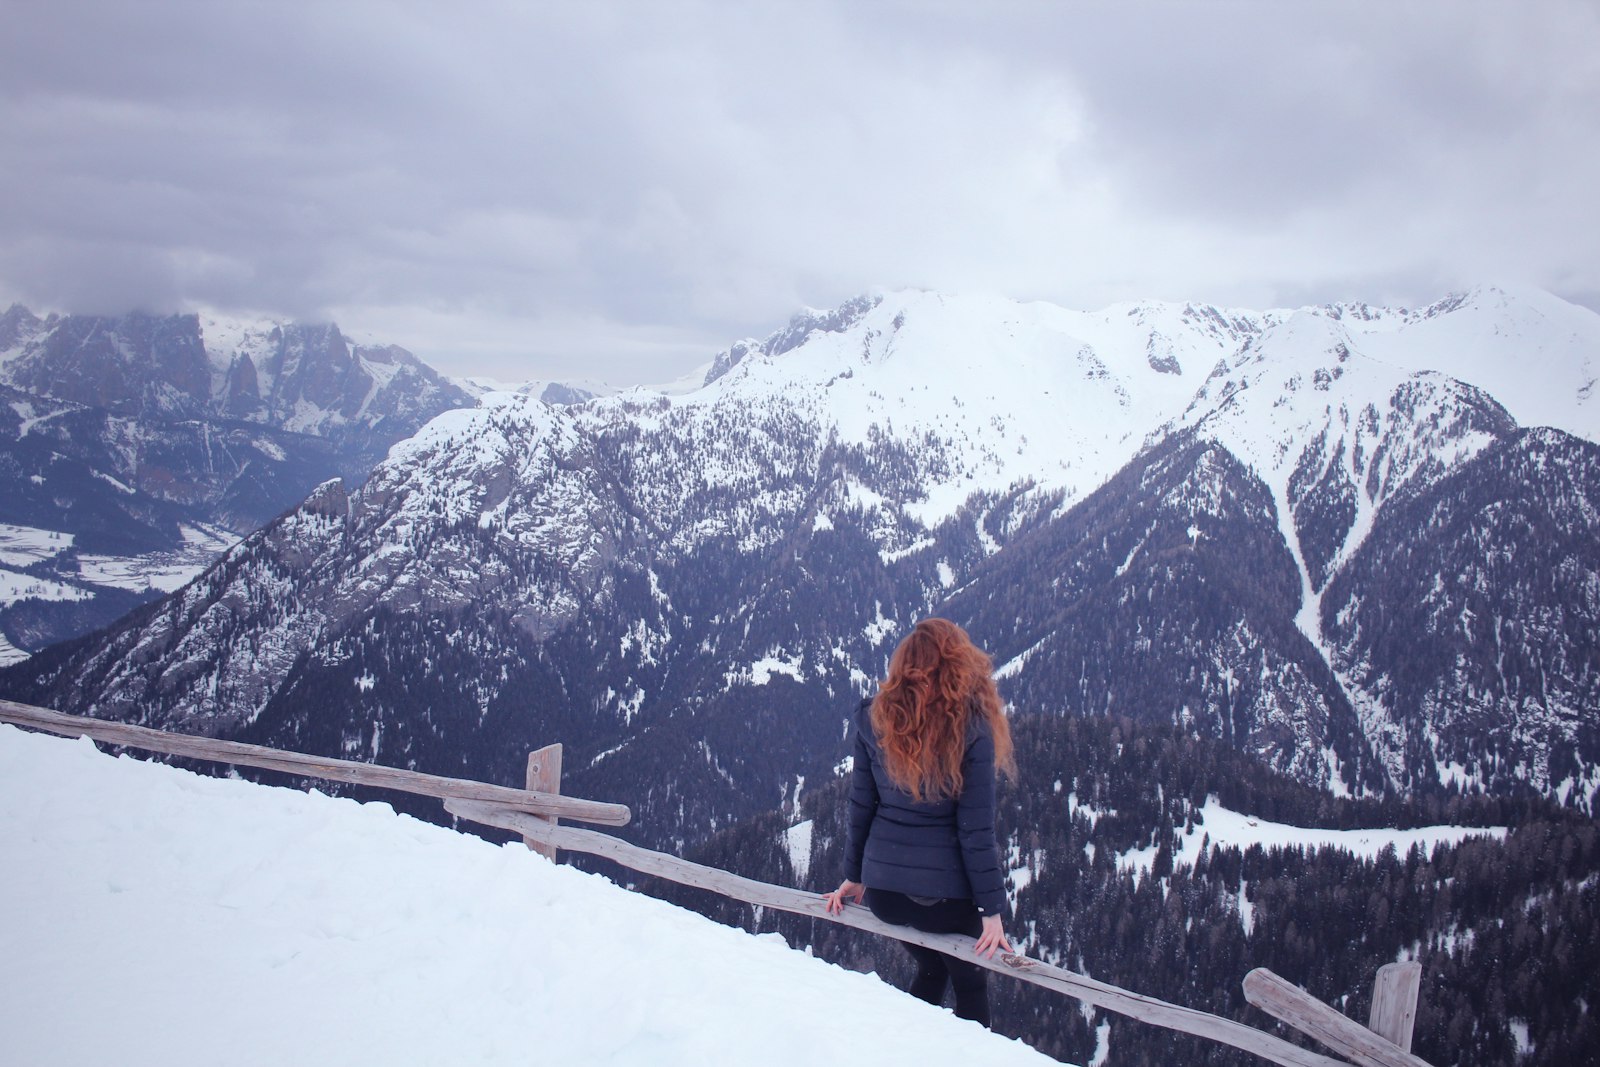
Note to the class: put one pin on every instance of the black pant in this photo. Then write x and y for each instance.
(935, 970)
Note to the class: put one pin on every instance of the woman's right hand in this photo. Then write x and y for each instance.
(992, 938)
(847, 890)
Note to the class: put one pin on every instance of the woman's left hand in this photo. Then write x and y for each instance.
(992, 938)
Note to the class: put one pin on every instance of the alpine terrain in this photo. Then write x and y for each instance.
(1335, 566)
(134, 450)
(1320, 536)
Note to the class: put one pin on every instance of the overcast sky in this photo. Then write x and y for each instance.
(619, 190)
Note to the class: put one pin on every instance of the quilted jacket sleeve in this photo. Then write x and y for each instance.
(863, 804)
(980, 851)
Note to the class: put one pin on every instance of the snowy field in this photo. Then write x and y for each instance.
(165, 571)
(151, 916)
(15, 586)
(21, 546)
(24, 546)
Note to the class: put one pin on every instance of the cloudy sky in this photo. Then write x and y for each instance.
(618, 190)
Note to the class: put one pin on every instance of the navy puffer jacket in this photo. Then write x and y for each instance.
(938, 848)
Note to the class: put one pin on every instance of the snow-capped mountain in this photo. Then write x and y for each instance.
(133, 449)
(1164, 511)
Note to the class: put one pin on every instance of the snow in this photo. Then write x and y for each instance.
(1246, 908)
(1013, 666)
(944, 397)
(30, 421)
(269, 448)
(797, 839)
(1232, 829)
(139, 572)
(1373, 401)
(165, 571)
(1089, 811)
(761, 671)
(1519, 1033)
(1102, 1044)
(10, 653)
(21, 546)
(24, 546)
(168, 915)
(1550, 382)
(119, 486)
(227, 338)
(15, 586)
(478, 384)
(679, 386)
(1004, 392)
(881, 628)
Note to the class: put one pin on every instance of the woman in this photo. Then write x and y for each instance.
(922, 849)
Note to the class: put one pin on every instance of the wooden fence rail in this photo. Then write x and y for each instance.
(334, 770)
(533, 813)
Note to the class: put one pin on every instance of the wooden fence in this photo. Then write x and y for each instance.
(328, 769)
(533, 812)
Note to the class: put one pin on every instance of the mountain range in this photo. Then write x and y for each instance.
(1356, 543)
(135, 449)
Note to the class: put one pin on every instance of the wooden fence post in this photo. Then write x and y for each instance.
(1394, 1002)
(1288, 1003)
(544, 776)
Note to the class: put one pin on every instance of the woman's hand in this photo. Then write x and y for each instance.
(847, 890)
(992, 938)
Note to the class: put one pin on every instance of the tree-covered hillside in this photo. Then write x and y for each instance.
(1505, 928)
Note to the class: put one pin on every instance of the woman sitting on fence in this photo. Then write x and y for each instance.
(922, 848)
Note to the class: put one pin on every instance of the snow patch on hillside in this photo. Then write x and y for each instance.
(1227, 828)
(10, 653)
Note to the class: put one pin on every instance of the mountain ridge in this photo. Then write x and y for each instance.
(641, 569)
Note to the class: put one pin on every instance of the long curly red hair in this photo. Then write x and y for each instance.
(937, 680)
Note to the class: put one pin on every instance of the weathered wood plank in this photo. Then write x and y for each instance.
(1285, 1001)
(1100, 994)
(334, 770)
(1394, 1002)
(544, 776)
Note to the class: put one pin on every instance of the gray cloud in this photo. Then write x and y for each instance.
(618, 190)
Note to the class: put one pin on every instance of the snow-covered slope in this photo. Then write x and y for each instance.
(1343, 411)
(1000, 392)
(1533, 352)
(154, 917)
